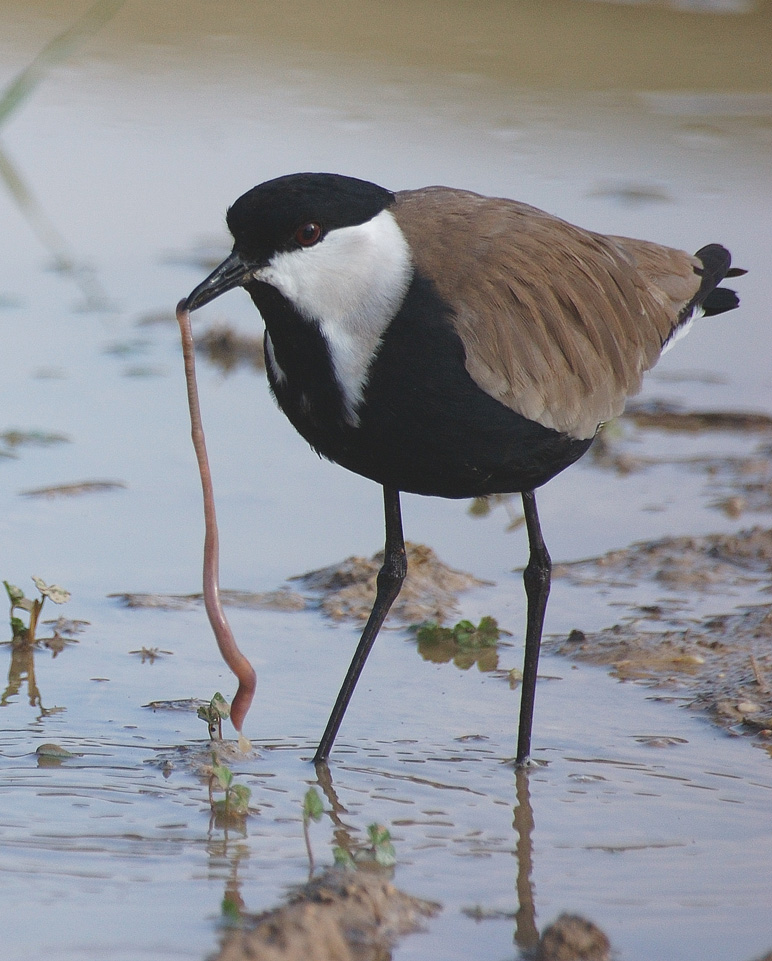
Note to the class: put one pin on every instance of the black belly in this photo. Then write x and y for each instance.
(425, 426)
(462, 462)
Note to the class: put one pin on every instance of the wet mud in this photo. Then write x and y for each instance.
(228, 350)
(735, 484)
(344, 591)
(720, 663)
(76, 489)
(279, 600)
(339, 916)
(659, 415)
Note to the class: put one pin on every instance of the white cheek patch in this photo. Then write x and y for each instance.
(351, 285)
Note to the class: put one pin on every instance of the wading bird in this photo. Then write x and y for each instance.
(444, 343)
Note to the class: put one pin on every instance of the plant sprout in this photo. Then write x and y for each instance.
(380, 850)
(214, 713)
(313, 809)
(33, 606)
(465, 634)
(235, 804)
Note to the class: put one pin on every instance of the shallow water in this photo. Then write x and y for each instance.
(642, 120)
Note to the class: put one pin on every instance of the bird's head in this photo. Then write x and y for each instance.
(298, 232)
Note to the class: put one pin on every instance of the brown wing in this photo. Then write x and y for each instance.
(558, 323)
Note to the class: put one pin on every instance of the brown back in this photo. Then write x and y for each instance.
(558, 323)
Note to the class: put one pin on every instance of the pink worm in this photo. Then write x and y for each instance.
(232, 656)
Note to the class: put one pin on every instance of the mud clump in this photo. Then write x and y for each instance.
(573, 938)
(338, 916)
(430, 591)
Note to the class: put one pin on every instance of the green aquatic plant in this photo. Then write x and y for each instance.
(235, 804)
(214, 713)
(313, 809)
(465, 644)
(380, 850)
(486, 634)
(33, 606)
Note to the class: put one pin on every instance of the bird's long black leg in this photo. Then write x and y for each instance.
(536, 578)
(390, 578)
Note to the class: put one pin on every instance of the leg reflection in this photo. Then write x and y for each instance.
(526, 932)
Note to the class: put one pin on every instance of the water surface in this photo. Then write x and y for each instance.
(644, 120)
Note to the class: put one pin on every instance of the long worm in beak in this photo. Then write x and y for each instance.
(232, 656)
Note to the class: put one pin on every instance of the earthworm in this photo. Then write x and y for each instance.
(232, 656)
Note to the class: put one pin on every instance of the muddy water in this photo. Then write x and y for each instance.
(117, 168)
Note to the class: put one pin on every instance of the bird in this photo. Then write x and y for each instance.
(445, 343)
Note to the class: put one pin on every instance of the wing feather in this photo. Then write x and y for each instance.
(558, 323)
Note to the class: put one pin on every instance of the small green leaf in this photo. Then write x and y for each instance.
(342, 858)
(313, 809)
(223, 774)
(383, 849)
(238, 798)
(489, 629)
(16, 594)
(385, 855)
(378, 834)
(220, 707)
(430, 632)
(53, 750)
(463, 631)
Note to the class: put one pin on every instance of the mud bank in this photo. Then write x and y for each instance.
(721, 663)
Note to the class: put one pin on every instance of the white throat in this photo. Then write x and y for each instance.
(351, 285)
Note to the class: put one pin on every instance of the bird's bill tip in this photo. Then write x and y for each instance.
(232, 272)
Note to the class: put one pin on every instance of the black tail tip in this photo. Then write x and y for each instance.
(716, 265)
(719, 301)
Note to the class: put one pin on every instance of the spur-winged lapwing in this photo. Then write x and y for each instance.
(445, 343)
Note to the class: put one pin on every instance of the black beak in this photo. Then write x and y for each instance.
(232, 272)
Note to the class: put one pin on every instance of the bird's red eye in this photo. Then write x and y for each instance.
(308, 234)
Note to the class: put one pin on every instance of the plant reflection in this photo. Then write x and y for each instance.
(526, 934)
(226, 856)
(465, 644)
(22, 669)
(12, 98)
(25, 642)
(344, 834)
